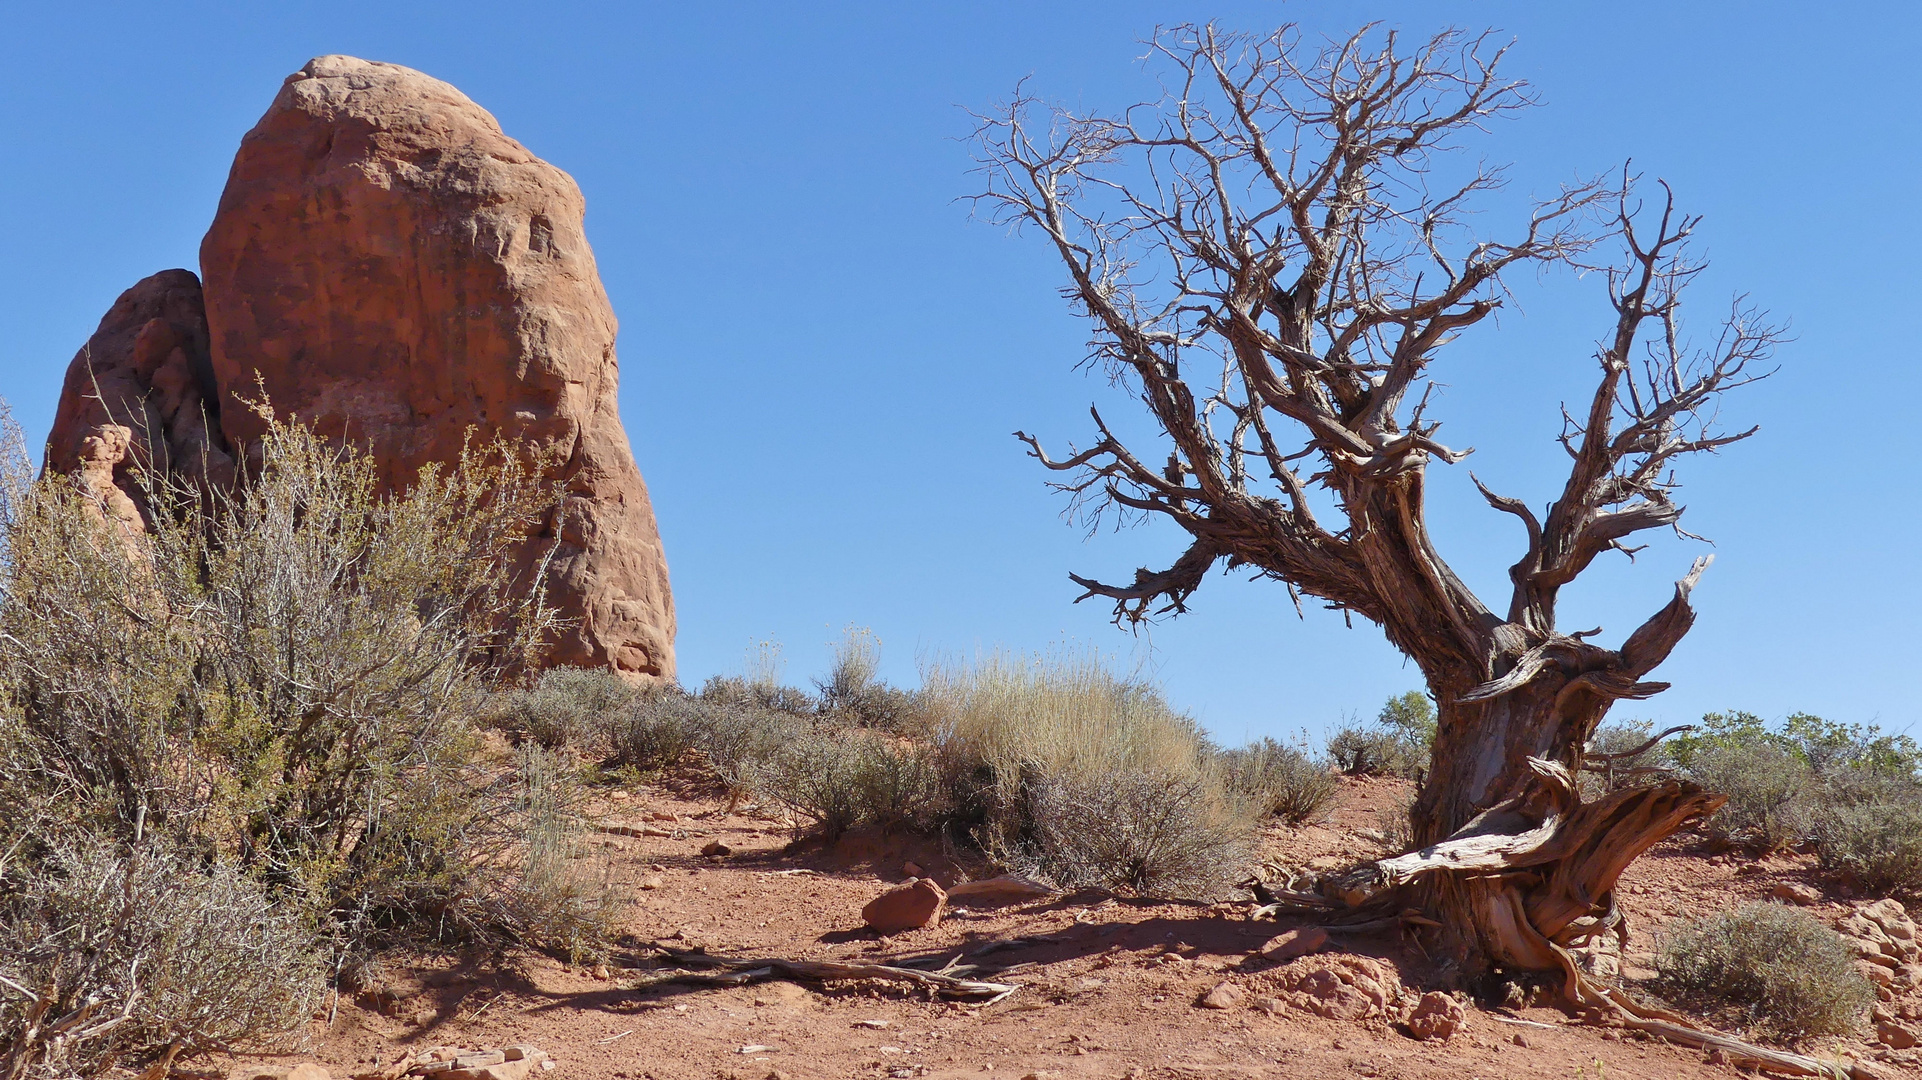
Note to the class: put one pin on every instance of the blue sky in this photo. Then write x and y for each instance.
(823, 357)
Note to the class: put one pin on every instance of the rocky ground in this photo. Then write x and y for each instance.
(1109, 987)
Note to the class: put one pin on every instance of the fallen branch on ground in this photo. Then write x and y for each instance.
(740, 971)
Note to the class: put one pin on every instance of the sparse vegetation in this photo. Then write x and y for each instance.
(1398, 744)
(1281, 781)
(1767, 965)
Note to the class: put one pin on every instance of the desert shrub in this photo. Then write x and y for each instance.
(739, 739)
(281, 677)
(1280, 780)
(743, 693)
(1156, 833)
(1875, 844)
(1373, 752)
(1611, 763)
(1773, 966)
(1023, 739)
(158, 956)
(1825, 746)
(562, 896)
(575, 707)
(1770, 793)
(1397, 744)
(836, 779)
(654, 729)
(854, 693)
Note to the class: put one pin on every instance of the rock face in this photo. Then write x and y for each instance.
(388, 265)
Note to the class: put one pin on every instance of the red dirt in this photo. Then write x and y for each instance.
(1112, 995)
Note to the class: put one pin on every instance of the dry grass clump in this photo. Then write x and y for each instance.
(1771, 966)
(1038, 750)
(114, 956)
(1283, 782)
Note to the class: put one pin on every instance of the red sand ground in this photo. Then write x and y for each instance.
(1113, 995)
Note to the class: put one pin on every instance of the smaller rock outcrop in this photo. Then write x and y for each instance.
(139, 395)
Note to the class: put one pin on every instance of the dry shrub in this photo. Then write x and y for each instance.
(282, 678)
(1177, 833)
(1771, 793)
(853, 692)
(572, 707)
(1280, 780)
(562, 896)
(1769, 965)
(1376, 752)
(142, 955)
(1030, 743)
(656, 728)
(1875, 841)
(837, 779)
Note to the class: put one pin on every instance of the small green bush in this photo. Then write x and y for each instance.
(1771, 793)
(1876, 844)
(1775, 967)
(573, 707)
(1281, 781)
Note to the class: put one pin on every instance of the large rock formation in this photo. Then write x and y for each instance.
(388, 265)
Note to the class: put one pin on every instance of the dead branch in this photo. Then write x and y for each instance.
(739, 971)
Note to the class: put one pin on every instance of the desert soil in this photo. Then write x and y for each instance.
(1111, 990)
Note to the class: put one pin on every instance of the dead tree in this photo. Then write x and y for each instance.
(1271, 256)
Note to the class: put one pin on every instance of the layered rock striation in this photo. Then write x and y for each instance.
(389, 266)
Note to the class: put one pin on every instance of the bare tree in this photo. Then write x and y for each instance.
(1271, 255)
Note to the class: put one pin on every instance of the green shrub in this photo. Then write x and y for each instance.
(1281, 781)
(574, 707)
(1875, 844)
(1770, 791)
(1771, 965)
(195, 959)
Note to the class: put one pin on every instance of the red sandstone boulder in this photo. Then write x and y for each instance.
(388, 265)
(913, 906)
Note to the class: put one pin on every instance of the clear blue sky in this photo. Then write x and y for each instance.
(822, 357)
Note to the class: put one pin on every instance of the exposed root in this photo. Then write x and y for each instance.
(739, 971)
